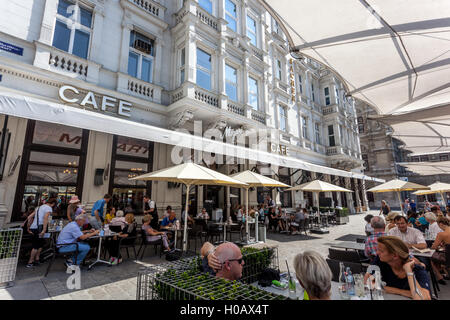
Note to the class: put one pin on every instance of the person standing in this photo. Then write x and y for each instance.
(151, 209)
(385, 209)
(371, 244)
(38, 228)
(96, 219)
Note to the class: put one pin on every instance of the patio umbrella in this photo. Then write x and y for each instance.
(318, 186)
(252, 180)
(190, 174)
(398, 186)
(437, 187)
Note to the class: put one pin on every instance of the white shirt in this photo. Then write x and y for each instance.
(411, 236)
(239, 215)
(42, 211)
(434, 228)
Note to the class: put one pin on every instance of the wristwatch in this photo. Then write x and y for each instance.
(410, 274)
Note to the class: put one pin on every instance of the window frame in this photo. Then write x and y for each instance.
(327, 96)
(250, 16)
(283, 116)
(141, 56)
(305, 127)
(300, 83)
(250, 93)
(212, 6)
(331, 136)
(75, 25)
(235, 85)
(317, 133)
(236, 19)
(181, 66)
(201, 68)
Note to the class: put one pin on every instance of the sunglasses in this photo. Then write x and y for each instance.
(238, 260)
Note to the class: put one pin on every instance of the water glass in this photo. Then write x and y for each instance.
(359, 285)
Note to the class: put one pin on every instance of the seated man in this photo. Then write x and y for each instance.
(71, 233)
(169, 222)
(203, 214)
(410, 236)
(231, 261)
(371, 247)
(299, 217)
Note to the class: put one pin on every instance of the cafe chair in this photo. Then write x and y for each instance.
(146, 243)
(115, 228)
(343, 255)
(127, 243)
(335, 268)
(56, 253)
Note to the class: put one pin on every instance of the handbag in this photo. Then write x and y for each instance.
(39, 227)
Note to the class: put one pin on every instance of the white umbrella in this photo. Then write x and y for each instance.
(398, 186)
(437, 187)
(190, 174)
(253, 179)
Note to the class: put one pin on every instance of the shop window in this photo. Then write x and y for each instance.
(53, 164)
(130, 158)
(73, 28)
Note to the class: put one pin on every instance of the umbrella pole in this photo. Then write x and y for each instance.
(400, 202)
(185, 218)
(246, 219)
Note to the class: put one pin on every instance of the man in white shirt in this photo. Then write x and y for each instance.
(410, 236)
(150, 208)
(433, 228)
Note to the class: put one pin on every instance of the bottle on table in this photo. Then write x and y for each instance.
(379, 295)
(342, 282)
(350, 282)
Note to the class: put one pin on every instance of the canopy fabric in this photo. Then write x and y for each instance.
(427, 168)
(253, 179)
(191, 174)
(17, 105)
(422, 131)
(318, 186)
(391, 54)
(437, 187)
(398, 186)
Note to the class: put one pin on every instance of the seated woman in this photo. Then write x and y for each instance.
(153, 235)
(403, 275)
(368, 228)
(314, 275)
(110, 214)
(412, 216)
(273, 222)
(128, 231)
(438, 258)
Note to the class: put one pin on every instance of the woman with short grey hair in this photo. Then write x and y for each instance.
(314, 275)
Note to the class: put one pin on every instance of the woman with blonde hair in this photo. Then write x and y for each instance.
(438, 258)
(314, 275)
(153, 235)
(402, 274)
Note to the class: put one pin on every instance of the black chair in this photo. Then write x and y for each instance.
(146, 243)
(360, 240)
(235, 230)
(127, 243)
(342, 255)
(214, 232)
(115, 228)
(302, 226)
(335, 268)
(56, 253)
(197, 233)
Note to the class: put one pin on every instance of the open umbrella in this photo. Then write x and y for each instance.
(398, 186)
(190, 174)
(252, 180)
(437, 187)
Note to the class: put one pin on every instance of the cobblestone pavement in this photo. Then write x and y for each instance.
(120, 282)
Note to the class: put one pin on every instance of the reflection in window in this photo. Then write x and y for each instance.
(231, 14)
(251, 31)
(231, 82)
(203, 69)
(57, 135)
(253, 93)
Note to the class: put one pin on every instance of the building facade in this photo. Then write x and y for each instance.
(164, 64)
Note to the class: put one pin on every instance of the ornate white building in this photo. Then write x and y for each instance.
(163, 64)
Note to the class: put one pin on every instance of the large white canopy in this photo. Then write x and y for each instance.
(427, 168)
(394, 55)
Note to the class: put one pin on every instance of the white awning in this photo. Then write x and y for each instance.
(422, 131)
(427, 168)
(391, 54)
(37, 109)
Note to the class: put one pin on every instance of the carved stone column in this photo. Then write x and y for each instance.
(349, 195)
(358, 199)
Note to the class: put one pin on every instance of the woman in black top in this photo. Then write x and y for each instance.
(385, 209)
(273, 222)
(403, 275)
(128, 231)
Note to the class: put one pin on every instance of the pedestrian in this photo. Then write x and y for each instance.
(96, 219)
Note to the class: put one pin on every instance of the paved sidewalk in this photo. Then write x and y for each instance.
(120, 282)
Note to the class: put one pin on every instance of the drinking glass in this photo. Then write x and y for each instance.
(359, 285)
(292, 288)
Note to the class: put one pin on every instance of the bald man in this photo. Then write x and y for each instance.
(231, 260)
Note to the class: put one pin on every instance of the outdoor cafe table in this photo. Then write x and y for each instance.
(334, 292)
(347, 245)
(109, 235)
(225, 225)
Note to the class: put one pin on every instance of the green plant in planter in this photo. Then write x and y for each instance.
(342, 212)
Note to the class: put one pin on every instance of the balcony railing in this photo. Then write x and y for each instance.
(138, 88)
(258, 116)
(236, 108)
(331, 151)
(70, 64)
(150, 7)
(207, 97)
(329, 110)
(206, 18)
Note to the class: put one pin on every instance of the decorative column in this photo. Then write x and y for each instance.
(349, 195)
(42, 55)
(327, 178)
(338, 194)
(358, 199)
(315, 194)
(364, 195)
(158, 66)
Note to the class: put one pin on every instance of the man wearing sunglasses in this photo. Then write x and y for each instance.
(230, 257)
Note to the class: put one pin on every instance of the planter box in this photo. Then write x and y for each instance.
(9, 254)
(342, 220)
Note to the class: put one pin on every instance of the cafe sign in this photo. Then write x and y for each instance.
(278, 148)
(292, 79)
(71, 94)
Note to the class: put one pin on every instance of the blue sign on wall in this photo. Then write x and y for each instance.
(11, 48)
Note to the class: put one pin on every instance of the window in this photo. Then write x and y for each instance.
(360, 125)
(251, 31)
(206, 5)
(140, 60)
(182, 65)
(278, 73)
(331, 140)
(443, 157)
(283, 118)
(424, 158)
(312, 93)
(366, 162)
(304, 128)
(336, 92)
(300, 84)
(231, 82)
(276, 27)
(317, 132)
(253, 93)
(204, 69)
(341, 135)
(327, 96)
(231, 14)
(73, 28)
